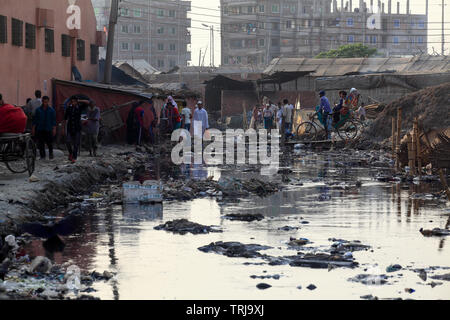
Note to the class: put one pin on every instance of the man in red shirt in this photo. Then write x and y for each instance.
(12, 119)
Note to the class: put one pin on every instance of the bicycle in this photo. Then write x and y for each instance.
(314, 129)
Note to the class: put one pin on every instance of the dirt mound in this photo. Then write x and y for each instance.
(430, 105)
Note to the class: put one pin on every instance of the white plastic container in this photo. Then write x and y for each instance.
(148, 192)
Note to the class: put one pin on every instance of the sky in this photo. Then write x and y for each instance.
(207, 12)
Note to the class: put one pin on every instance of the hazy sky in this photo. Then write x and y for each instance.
(207, 12)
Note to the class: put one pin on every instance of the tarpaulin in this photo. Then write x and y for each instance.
(12, 119)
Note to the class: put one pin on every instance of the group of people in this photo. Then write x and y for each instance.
(273, 116)
(171, 118)
(341, 112)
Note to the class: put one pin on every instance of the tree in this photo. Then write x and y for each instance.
(357, 50)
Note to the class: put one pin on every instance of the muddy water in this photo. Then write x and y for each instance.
(154, 264)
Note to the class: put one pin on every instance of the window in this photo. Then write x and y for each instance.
(49, 40)
(239, 59)
(161, 46)
(81, 48)
(421, 24)
(17, 32)
(289, 24)
(420, 40)
(124, 12)
(261, 8)
(172, 47)
(172, 63)
(250, 9)
(30, 36)
(235, 44)
(94, 54)
(350, 22)
(160, 30)
(293, 8)
(395, 40)
(66, 45)
(138, 12)
(262, 42)
(275, 8)
(124, 46)
(350, 39)
(124, 28)
(172, 13)
(160, 13)
(137, 46)
(373, 39)
(160, 63)
(396, 23)
(137, 29)
(3, 30)
(173, 31)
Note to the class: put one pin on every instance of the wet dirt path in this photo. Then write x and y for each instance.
(152, 264)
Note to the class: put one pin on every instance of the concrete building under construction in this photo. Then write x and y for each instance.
(156, 31)
(256, 31)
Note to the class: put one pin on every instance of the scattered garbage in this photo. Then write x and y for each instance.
(298, 242)
(370, 279)
(445, 277)
(435, 232)
(393, 268)
(183, 226)
(41, 265)
(275, 277)
(235, 249)
(311, 287)
(263, 286)
(409, 290)
(248, 217)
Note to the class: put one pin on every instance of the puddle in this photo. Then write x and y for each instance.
(154, 264)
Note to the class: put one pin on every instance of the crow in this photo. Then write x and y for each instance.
(50, 232)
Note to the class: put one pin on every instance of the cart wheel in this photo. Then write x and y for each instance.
(30, 156)
(18, 164)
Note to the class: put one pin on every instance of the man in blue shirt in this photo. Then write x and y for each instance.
(44, 127)
(325, 109)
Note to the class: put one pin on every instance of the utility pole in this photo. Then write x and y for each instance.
(110, 45)
(443, 27)
(212, 46)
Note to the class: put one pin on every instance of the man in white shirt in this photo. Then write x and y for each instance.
(287, 115)
(200, 120)
(187, 116)
(35, 103)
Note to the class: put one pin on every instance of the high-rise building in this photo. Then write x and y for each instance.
(256, 31)
(156, 31)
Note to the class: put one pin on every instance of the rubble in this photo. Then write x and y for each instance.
(40, 265)
(370, 279)
(438, 232)
(248, 217)
(263, 286)
(445, 277)
(183, 226)
(235, 249)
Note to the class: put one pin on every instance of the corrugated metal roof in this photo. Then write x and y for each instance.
(339, 67)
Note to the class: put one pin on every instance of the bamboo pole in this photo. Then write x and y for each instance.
(410, 154)
(418, 149)
(444, 183)
(393, 138)
(413, 148)
(397, 145)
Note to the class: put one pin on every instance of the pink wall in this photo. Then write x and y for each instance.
(24, 70)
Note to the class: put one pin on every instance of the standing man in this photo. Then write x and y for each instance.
(287, 116)
(200, 119)
(92, 127)
(268, 117)
(73, 128)
(187, 116)
(35, 103)
(154, 122)
(44, 127)
(325, 109)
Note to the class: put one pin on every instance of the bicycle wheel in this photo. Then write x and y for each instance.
(17, 163)
(348, 131)
(306, 131)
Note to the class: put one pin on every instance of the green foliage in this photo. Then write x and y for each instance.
(357, 50)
